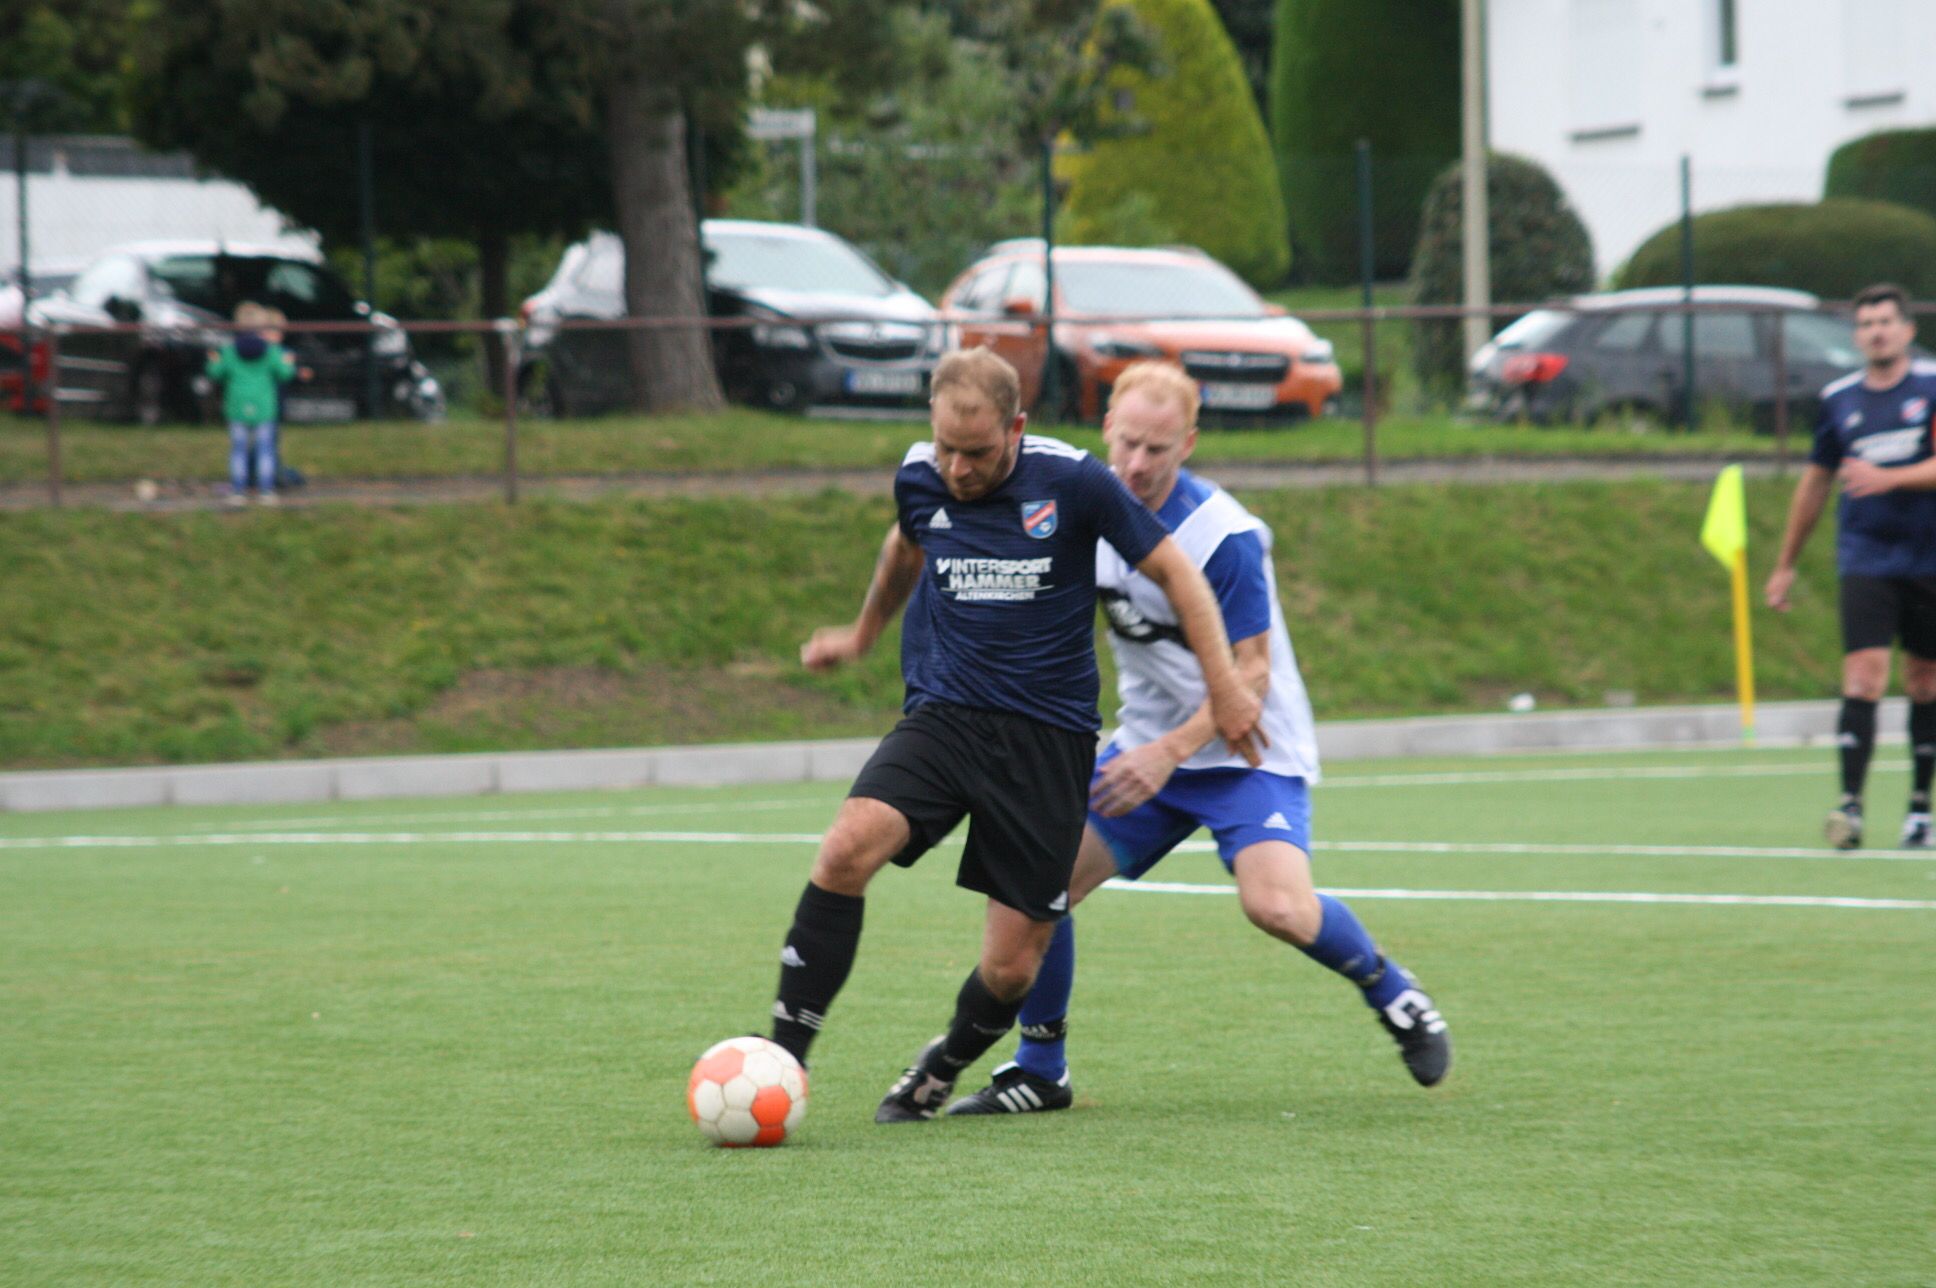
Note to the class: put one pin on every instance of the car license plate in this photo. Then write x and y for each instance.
(1239, 397)
(319, 409)
(883, 382)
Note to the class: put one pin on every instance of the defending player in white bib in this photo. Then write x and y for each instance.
(1165, 774)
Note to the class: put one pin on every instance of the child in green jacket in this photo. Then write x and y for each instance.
(251, 370)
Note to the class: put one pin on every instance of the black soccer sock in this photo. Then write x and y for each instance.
(1855, 735)
(1922, 746)
(980, 1020)
(819, 952)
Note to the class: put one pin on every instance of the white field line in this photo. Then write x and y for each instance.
(518, 815)
(1532, 848)
(1458, 778)
(1814, 768)
(810, 838)
(1564, 896)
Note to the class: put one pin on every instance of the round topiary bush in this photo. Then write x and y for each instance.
(1539, 248)
(1889, 165)
(1200, 171)
(1833, 248)
(1386, 71)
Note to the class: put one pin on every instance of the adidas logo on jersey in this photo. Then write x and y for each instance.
(1278, 821)
(941, 519)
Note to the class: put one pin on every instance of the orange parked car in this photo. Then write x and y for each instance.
(1115, 304)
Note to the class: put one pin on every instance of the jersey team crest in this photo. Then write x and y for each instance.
(1038, 518)
(1915, 410)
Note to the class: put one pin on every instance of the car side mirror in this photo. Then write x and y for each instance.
(1019, 307)
(123, 310)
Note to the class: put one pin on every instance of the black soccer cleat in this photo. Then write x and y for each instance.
(1915, 831)
(1843, 826)
(1017, 1091)
(1423, 1042)
(917, 1095)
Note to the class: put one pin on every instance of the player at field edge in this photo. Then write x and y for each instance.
(1874, 434)
(993, 552)
(1163, 776)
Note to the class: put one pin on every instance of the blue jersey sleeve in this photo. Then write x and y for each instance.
(1237, 574)
(1827, 449)
(1121, 520)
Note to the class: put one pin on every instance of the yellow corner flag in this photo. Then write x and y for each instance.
(1725, 534)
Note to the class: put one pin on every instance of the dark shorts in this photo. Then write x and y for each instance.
(1879, 611)
(1022, 785)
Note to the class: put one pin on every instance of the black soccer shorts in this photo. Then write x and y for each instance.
(1878, 611)
(1023, 786)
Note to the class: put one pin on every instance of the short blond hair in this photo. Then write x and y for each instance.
(985, 372)
(1159, 379)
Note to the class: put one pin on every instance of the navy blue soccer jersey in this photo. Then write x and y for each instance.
(1892, 535)
(1003, 617)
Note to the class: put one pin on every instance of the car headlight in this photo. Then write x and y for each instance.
(1105, 345)
(781, 335)
(937, 339)
(1318, 351)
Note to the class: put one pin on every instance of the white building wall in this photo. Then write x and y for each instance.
(1610, 94)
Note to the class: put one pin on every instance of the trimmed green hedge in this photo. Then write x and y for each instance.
(1833, 248)
(1201, 172)
(1539, 248)
(1343, 70)
(1889, 165)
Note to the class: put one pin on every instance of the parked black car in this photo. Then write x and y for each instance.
(181, 292)
(1620, 354)
(829, 327)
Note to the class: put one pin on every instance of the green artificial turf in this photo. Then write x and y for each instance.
(239, 1051)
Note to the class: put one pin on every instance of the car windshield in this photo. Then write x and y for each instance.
(217, 283)
(1533, 330)
(778, 261)
(1153, 289)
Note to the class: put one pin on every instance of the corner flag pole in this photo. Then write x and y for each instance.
(1725, 534)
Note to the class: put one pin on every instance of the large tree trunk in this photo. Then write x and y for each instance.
(670, 366)
(493, 273)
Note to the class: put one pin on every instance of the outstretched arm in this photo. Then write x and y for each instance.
(1811, 495)
(1234, 706)
(895, 573)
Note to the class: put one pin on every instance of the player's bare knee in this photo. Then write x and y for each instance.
(1009, 976)
(1290, 915)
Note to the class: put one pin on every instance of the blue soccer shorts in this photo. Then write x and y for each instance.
(1240, 807)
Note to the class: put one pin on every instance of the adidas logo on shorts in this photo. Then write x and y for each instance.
(1278, 821)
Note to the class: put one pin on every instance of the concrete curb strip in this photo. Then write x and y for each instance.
(279, 782)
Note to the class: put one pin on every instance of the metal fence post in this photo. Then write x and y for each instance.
(507, 330)
(1366, 265)
(53, 412)
(1781, 394)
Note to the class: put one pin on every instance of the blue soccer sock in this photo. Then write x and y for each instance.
(1045, 1012)
(1343, 945)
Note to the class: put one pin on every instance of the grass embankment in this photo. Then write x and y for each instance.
(338, 631)
(746, 440)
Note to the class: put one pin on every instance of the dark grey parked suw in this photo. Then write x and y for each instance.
(1621, 354)
(827, 326)
(181, 293)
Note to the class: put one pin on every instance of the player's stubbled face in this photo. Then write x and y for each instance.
(1882, 332)
(973, 448)
(1149, 439)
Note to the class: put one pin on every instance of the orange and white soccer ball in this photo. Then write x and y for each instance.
(747, 1091)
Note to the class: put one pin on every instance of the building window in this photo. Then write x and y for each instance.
(1607, 58)
(1875, 55)
(1726, 46)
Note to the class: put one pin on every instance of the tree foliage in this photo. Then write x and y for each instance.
(1539, 248)
(73, 51)
(1199, 171)
(1386, 71)
(1252, 25)
(1889, 165)
(1833, 248)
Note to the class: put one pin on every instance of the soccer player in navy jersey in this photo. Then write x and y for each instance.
(1874, 433)
(1163, 775)
(996, 543)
